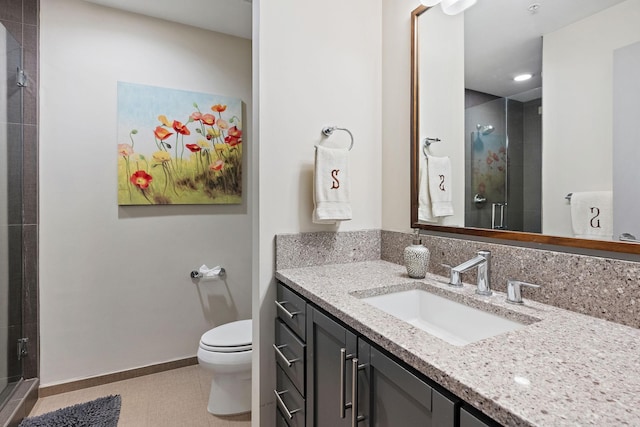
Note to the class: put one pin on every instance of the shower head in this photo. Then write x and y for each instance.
(485, 130)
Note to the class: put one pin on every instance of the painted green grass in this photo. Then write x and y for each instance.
(187, 181)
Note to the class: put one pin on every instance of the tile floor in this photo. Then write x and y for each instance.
(176, 398)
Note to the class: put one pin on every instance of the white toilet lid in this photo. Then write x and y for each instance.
(234, 336)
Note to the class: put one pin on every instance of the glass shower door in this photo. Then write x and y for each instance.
(10, 213)
(486, 152)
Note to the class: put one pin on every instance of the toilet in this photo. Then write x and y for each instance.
(226, 351)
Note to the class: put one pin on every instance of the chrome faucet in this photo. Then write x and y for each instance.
(483, 262)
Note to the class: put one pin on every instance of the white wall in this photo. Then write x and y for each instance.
(577, 127)
(114, 287)
(319, 64)
(626, 150)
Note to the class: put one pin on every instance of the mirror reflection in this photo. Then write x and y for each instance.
(534, 105)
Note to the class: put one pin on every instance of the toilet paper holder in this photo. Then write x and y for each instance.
(196, 274)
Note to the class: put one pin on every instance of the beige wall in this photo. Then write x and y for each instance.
(577, 106)
(319, 64)
(114, 287)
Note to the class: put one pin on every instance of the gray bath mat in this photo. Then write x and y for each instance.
(102, 412)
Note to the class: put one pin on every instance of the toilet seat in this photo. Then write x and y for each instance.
(231, 337)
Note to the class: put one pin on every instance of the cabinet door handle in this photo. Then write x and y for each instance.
(355, 418)
(286, 410)
(282, 356)
(280, 305)
(343, 386)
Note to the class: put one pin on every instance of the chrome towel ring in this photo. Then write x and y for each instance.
(427, 142)
(328, 131)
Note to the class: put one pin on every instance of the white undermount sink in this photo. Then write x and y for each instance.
(454, 322)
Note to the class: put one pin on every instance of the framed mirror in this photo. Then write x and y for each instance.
(524, 156)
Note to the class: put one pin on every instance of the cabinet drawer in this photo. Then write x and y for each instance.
(292, 309)
(290, 354)
(290, 403)
(280, 419)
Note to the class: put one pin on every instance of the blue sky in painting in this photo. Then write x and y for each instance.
(139, 107)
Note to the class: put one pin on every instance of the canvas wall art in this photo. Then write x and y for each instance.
(178, 147)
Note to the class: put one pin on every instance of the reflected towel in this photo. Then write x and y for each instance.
(592, 214)
(331, 196)
(439, 177)
(424, 200)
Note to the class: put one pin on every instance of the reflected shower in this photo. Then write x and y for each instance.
(485, 129)
(481, 130)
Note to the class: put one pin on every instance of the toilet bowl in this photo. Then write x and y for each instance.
(226, 351)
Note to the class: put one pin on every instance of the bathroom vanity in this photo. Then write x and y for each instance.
(343, 361)
(343, 367)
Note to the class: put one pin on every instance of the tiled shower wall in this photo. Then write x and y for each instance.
(20, 18)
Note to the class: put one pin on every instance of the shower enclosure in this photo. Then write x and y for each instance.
(503, 156)
(11, 83)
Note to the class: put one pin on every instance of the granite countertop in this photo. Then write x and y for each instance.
(563, 369)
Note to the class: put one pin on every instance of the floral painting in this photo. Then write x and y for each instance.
(178, 147)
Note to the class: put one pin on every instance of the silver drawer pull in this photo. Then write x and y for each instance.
(343, 387)
(282, 356)
(280, 305)
(286, 410)
(355, 418)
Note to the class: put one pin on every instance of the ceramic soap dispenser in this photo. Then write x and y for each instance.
(416, 258)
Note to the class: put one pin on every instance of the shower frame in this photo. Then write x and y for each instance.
(21, 19)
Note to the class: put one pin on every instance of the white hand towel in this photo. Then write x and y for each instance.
(439, 170)
(424, 200)
(592, 214)
(331, 186)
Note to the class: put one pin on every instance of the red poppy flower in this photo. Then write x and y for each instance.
(235, 132)
(162, 133)
(208, 119)
(141, 179)
(232, 141)
(219, 108)
(194, 148)
(217, 165)
(180, 128)
(196, 116)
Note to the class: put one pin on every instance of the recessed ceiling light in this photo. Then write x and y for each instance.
(522, 77)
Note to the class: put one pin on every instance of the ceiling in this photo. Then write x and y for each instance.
(224, 16)
(504, 39)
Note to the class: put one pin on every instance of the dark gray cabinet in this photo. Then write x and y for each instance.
(469, 419)
(390, 395)
(331, 349)
(343, 369)
(290, 351)
(328, 376)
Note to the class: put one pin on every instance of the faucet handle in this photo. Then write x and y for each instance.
(514, 295)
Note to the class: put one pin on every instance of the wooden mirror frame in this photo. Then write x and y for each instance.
(611, 246)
